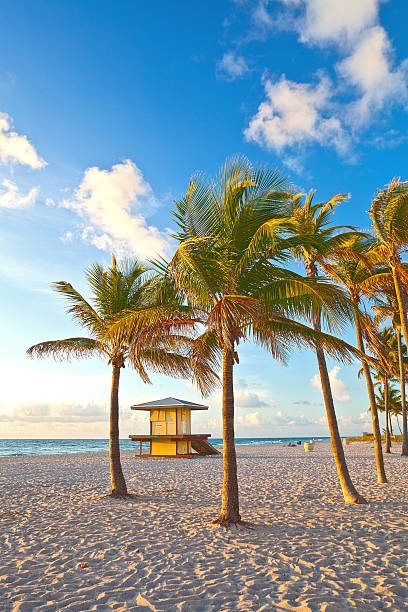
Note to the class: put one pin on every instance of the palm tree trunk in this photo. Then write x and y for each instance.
(351, 496)
(350, 493)
(387, 428)
(379, 459)
(403, 398)
(230, 501)
(117, 479)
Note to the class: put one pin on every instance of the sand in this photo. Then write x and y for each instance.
(306, 550)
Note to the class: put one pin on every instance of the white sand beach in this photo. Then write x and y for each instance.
(306, 549)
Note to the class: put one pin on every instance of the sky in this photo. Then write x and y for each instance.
(107, 109)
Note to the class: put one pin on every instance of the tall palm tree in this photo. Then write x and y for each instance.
(389, 214)
(233, 282)
(351, 267)
(309, 222)
(386, 307)
(114, 291)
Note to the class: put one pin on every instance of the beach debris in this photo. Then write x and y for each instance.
(84, 565)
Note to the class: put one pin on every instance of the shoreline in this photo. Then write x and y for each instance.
(279, 442)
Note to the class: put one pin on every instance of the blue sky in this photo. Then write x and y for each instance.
(107, 108)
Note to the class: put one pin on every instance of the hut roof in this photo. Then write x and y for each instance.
(168, 402)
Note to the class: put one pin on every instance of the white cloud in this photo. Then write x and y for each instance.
(369, 68)
(317, 21)
(353, 424)
(339, 388)
(248, 399)
(367, 74)
(56, 413)
(243, 397)
(295, 113)
(232, 66)
(10, 196)
(67, 237)
(253, 419)
(336, 20)
(286, 420)
(15, 148)
(113, 204)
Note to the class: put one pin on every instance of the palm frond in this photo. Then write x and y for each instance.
(81, 310)
(68, 348)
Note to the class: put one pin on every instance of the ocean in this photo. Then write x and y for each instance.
(59, 447)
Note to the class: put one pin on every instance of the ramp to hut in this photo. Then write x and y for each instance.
(202, 447)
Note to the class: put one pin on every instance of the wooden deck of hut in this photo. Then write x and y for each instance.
(170, 430)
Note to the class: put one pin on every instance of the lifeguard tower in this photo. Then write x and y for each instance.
(170, 430)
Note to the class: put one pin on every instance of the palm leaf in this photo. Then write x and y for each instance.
(68, 348)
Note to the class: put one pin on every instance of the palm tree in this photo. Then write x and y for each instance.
(390, 404)
(115, 290)
(382, 378)
(386, 307)
(310, 223)
(236, 289)
(389, 214)
(351, 268)
(383, 344)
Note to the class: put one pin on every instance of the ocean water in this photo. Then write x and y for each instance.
(60, 447)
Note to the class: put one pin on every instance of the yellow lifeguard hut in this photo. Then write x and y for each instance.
(170, 430)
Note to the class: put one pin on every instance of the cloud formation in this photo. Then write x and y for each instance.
(248, 399)
(336, 21)
(45, 412)
(232, 66)
(338, 386)
(113, 204)
(253, 419)
(10, 196)
(50, 413)
(243, 398)
(366, 80)
(15, 148)
(370, 69)
(288, 420)
(295, 113)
